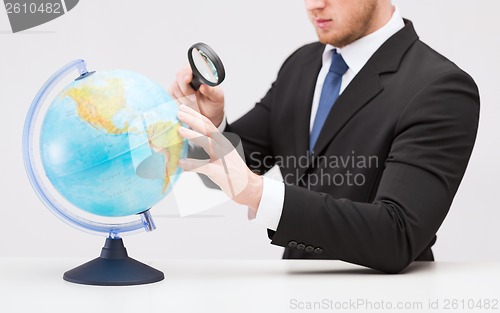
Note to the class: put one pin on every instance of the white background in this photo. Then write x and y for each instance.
(253, 38)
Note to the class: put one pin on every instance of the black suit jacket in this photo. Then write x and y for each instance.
(409, 110)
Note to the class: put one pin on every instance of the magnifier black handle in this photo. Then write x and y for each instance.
(206, 66)
(195, 83)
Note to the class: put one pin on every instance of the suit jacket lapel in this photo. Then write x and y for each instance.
(362, 89)
(366, 85)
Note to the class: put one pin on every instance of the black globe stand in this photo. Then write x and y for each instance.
(113, 268)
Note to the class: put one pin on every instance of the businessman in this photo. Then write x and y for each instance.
(372, 131)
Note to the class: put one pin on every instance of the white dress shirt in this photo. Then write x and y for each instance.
(355, 55)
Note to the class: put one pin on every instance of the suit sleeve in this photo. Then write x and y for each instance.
(431, 147)
(253, 130)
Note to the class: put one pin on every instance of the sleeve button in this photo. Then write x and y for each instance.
(309, 249)
(301, 246)
(318, 250)
(292, 244)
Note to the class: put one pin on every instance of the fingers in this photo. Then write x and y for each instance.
(196, 121)
(181, 89)
(204, 133)
(184, 78)
(194, 165)
(180, 97)
(199, 139)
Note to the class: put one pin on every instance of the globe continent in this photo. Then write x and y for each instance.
(109, 143)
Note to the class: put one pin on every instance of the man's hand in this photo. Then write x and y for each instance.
(209, 101)
(225, 167)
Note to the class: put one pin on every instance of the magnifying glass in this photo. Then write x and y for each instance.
(206, 65)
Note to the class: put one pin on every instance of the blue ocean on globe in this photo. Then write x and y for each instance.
(109, 143)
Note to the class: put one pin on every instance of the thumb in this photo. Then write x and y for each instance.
(214, 94)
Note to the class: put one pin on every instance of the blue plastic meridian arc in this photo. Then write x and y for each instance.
(108, 229)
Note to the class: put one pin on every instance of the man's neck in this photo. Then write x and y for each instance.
(381, 16)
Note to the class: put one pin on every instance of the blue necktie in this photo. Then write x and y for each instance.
(329, 94)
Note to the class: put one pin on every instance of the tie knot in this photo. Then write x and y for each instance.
(338, 65)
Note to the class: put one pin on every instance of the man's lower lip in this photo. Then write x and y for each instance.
(323, 24)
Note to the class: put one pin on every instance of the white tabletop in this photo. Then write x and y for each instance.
(36, 285)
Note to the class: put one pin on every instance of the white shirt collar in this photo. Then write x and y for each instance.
(357, 53)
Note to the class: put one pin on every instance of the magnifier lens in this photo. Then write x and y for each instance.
(205, 66)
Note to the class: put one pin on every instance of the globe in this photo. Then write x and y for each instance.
(109, 143)
(99, 153)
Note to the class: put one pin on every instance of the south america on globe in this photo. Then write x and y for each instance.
(109, 143)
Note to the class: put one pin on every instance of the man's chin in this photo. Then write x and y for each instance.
(328, 40)
(335, 40)
(327, 37)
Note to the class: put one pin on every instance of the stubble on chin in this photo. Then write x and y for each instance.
(352, 27)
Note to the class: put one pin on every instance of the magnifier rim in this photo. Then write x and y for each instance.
(221, 73)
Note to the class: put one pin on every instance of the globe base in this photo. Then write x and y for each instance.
(113, 268)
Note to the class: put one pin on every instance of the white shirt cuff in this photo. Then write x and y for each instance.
(271, 203)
